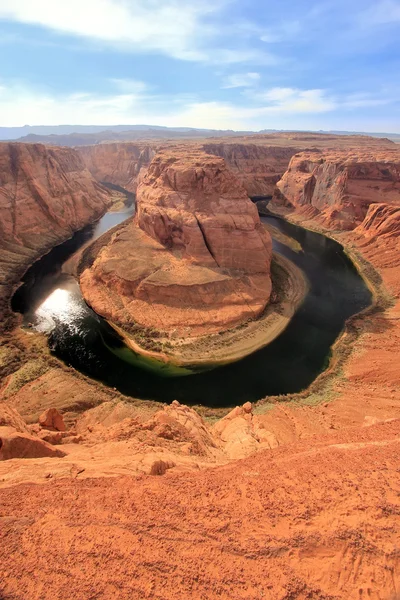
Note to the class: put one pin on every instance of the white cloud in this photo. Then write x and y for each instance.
(361, 100)
(292, 100)
(241, 80)
(275, 108)
(381, 13)
(130, 86)
(167, 26)
(178, 28)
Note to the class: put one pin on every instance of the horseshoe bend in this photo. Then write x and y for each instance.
(108, 495)
(196, 260)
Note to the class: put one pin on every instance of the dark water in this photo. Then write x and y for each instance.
(52, 302)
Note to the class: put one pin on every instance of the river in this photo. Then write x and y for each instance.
(51, 302)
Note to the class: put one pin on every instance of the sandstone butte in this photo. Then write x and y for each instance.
(195, 261)
(295, 499)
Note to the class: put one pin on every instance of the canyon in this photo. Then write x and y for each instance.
(195, 261)
(289, 498)
(46, 194)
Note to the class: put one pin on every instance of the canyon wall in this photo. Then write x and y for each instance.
(118, 163)
(257, 167)
(197, 258)
(46, 194)
(258, 161)
(338, 187)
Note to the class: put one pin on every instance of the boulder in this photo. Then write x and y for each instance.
(52, 419)
(14, 444)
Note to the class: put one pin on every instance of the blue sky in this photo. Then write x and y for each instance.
(226, 64)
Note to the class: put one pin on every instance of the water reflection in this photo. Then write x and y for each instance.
(78, 336)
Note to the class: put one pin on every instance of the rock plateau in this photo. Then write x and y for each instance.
(196, 260)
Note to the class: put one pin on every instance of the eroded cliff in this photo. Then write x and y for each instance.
(121, 163)
(46, 194)
(256, 166)
(338, 187)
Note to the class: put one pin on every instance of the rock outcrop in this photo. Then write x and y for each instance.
(52, 419)
(381, 220)
(46, 194)
(258, 161)
(257, 167)
(121, 164)
(338, 187)
(197, 258)
(16, 441)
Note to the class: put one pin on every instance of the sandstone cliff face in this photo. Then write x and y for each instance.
(119, 163)
(46, 194)
(256, 166)
(197, 258)
(381, 220)
(193, 204)
(338, 187)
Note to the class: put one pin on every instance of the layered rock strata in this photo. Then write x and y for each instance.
(46, 194)
(338, 187)
(257, 167)
(121, 163)
(197, 258)
(258, 161)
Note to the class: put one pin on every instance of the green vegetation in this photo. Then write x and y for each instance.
(31, 370)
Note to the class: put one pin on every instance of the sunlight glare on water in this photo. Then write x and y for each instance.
(62, 306)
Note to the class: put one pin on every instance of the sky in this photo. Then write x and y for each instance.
(223, 64)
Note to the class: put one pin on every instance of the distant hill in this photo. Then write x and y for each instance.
(76, 135)
(81, 135)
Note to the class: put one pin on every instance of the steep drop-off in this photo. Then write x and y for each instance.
(121, 164)
(258, 161)
(338, 187)
(46, 194)
(257, 167)
(197, 258)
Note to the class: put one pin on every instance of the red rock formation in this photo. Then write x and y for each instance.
(119, 163)
(46, 194)
(193, 205)
(9, 417)
(318, 519)
(17, 442)
(339, 186)
(197, 257)
(257, 167)
(381, 220)
(52, 419)
(258, 161)
(14, 444)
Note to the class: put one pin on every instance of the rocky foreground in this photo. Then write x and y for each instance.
(287, 499)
